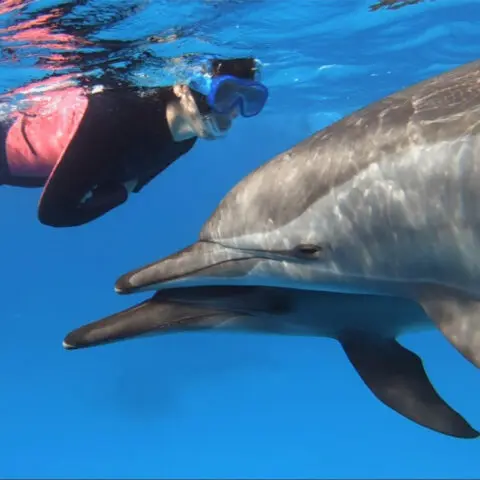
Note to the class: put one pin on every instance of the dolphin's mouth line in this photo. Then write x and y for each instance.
(277, 255)
(198, 270)
(219, 310)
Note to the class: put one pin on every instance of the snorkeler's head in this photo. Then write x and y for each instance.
(225, 89)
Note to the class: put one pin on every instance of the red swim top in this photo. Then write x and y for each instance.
(40, 135)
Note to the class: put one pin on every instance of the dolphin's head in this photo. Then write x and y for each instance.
(207, 263)
(275, 228)
(315, 217)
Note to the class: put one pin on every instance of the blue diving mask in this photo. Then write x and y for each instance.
(225, 93)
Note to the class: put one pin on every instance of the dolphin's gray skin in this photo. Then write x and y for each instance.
(385, 201)
(365, 325)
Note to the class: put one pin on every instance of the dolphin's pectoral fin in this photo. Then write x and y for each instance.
(147, 318)
(396, 376)
(458, 318)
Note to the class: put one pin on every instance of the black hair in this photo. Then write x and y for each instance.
(237, 67)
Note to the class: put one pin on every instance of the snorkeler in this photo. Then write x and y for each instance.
(90, 147)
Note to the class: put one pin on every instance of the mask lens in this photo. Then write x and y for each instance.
(229, 92)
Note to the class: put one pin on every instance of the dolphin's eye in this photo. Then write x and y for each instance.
(308, 250)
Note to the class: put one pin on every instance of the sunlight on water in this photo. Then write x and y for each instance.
(314, 55)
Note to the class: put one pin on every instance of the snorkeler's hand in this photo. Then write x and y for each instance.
(131, 185)
(105, 196)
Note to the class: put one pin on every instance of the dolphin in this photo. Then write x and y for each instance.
(366, 326)
(385, 201)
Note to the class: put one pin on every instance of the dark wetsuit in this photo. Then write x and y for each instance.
(121, 135)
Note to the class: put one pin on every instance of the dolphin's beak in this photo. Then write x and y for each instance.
(159, 315)
(203, 263)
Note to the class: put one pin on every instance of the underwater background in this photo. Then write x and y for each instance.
(208, 405)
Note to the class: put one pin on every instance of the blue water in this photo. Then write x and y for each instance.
(212, 406)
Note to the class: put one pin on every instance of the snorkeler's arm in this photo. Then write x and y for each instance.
(88, 180)
(77, 206)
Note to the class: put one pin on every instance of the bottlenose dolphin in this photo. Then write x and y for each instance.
(365, 325)
(385, 201)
